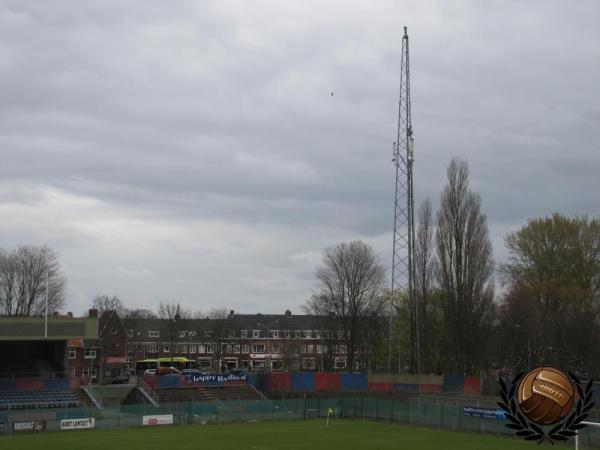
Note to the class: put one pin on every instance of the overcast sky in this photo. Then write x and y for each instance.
(193, 152)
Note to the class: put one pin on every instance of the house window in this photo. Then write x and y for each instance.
(154, 334)
(192, 348)
(297, 334)
(308, 364)
(130, 333)
(317, 334)
(113, 330)
(210, 349)
(89, 354)
(244, 334)
(231, 333)
(259, 348)
(276, 349)
(204, 363)
(256, 333)
(245, 349)
(245, 364)
(340, 363)
(307, 334)
(166, 348)
(319, 349)
(183, 348)
(72, 353)
(288, 334)
(310, 349)
(236, 348)
(90, 374)
(275, 334)
(258, 364)
(276, 365)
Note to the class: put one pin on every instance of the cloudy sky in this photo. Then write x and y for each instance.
(192, 151)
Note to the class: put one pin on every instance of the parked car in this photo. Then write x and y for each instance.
(167, 371)
(150, 372)
(120, 380)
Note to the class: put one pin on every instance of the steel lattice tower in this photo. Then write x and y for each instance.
(403, 270)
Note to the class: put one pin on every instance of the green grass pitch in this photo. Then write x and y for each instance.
(312, 434)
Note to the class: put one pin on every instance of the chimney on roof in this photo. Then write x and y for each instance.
(288, 313)
(70, 314)
(93, 313)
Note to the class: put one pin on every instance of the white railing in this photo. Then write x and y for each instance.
(90, 393)
(147, 391)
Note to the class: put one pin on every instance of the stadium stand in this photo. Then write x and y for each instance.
(50, 398)
(209, 393)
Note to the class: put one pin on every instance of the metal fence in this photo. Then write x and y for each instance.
(415, 411)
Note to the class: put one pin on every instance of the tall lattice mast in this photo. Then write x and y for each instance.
(403, 270)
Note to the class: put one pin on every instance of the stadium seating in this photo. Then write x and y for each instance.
(209, 394)
(13, 399)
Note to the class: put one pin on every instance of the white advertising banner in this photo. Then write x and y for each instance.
(160, 419)
(77, 424)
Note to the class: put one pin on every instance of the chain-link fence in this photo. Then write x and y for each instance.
(430, 412)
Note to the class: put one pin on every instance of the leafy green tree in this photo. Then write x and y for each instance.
(555, 264)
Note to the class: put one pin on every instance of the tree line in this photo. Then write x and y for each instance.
(546, 310)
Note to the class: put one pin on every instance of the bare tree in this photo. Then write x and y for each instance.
(24, 275)
(464, 271)
(350, 281)
(221, 324)
(105, 303)
(172, 313)
(140, 313)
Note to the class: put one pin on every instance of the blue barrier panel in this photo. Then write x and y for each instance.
(62, 385)
(354, 382)
(453, 383)
(406, 387)
(304, 382)
(263, 381)
(253, 379)
(169, 381)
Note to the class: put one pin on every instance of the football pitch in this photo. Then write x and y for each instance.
(312, 434)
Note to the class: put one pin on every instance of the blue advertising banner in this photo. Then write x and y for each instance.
(218, 378)
(486, 413)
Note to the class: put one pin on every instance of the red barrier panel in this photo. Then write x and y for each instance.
(430, 388)
(472, 385)
(381, 387)
(328, 381)
(150, 380)
(30, 385)
(281, 382)
(74, 383)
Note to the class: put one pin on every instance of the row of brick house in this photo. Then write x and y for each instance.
(244, 342)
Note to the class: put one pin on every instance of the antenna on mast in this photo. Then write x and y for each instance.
(403, 268)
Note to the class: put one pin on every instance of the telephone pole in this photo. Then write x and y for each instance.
(403, 269)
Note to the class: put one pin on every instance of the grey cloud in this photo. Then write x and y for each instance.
(179, 116)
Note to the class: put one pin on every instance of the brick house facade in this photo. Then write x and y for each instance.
(247, 342)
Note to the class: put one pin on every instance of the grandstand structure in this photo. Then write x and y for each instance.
(35, 371)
